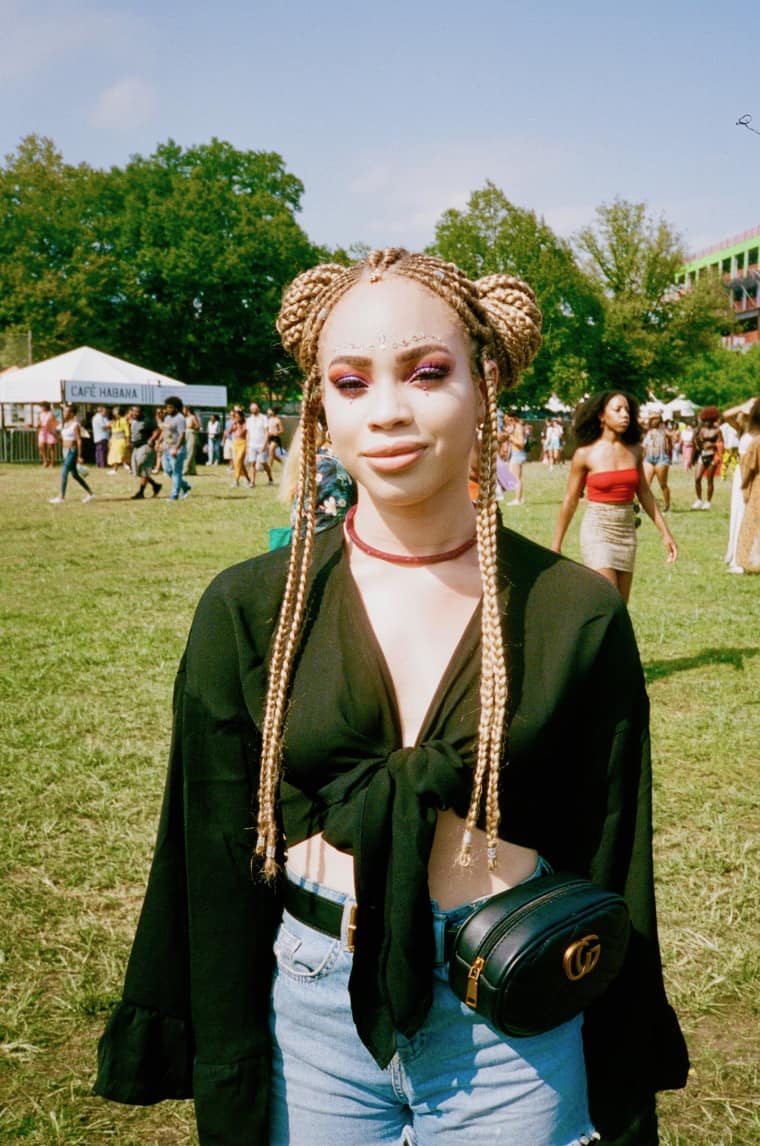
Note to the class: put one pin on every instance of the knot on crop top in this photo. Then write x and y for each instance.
(384, 811)
(347, 775)
(616, 486)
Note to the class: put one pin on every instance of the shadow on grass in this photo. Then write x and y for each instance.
(656, 670)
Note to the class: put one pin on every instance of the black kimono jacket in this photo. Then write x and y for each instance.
(577, 787)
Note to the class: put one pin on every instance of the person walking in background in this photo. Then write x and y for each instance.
(517, 459)
(73, 463)
(47, 435)
(143, 431)
(748, 543)
(687, 445)
(737, 416)
(708, 445)
(274, 437)
(118, 446)
(609, 463)
(553, 442)
(173, 444)
(658, 447)
(257, 447)
(237, 435)
(100, 436)
(213, 432)
(192, 426)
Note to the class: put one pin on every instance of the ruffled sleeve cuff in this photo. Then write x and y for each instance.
(144, 1057)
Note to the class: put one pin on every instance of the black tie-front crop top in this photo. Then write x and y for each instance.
(347, 775)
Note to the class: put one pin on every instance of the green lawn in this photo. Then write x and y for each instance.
(96, 603)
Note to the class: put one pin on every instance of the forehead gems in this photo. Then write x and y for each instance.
(380, 342)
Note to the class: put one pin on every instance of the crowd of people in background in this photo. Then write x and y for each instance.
(167, 439)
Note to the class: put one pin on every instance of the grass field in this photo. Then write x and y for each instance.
(96, 603)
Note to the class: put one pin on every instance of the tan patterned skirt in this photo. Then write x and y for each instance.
(608, 536)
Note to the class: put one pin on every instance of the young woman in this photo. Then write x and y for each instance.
(608, 463)
(47, 435)
(687, 446)
(118, 443)
(517, 459)
(213, 433)
(748, 543)
(658, 452)
(416, 647)
(708, 450)
(71, 443)
(237, 434)
(738, 417)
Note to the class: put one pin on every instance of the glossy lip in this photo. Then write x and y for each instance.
(391, 459)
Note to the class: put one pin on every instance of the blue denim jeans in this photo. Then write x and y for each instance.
(173, 468)
(69, 467)
(456, 1081)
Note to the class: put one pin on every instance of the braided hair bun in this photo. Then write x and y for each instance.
(515, 321)
(303, 302)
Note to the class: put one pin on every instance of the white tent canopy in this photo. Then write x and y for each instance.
(676, 407)
(555, 406)
(41, 382)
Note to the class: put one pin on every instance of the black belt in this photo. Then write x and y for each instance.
(326, 915)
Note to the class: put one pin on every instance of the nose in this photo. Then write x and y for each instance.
(389, 404)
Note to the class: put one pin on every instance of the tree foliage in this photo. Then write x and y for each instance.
(723, 377)
(177, 261)
(651, 331)
(494, 236)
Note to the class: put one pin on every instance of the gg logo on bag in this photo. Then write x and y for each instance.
(581, 957)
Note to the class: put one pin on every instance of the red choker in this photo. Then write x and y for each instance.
(401, 559)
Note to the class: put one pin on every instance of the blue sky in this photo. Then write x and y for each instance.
(390, 113)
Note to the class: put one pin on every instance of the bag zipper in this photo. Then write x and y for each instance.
(491, 939)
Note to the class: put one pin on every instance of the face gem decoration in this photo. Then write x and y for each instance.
(380, 342)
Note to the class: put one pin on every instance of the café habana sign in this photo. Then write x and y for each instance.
(146, 394)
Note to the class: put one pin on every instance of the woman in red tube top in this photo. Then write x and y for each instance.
(609, 462)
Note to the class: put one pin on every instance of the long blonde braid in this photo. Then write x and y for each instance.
(503, 321)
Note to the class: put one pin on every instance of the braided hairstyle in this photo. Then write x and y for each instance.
(500, 315)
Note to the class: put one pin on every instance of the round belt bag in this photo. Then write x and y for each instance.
(538, 954)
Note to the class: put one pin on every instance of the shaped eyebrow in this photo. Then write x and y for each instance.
(403, 357)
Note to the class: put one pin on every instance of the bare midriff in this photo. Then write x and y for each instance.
(450, 883)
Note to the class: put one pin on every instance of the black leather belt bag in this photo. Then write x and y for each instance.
(538, 954)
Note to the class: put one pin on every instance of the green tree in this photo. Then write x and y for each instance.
(723, 377)
(208, 239)
(57, 278)
(651, 331)
(177, 261)
(494, 236)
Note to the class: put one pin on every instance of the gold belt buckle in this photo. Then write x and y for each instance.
(351, 929)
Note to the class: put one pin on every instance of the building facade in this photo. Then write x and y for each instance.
(737, 262)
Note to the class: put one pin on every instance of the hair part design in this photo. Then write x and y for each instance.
(500, 315)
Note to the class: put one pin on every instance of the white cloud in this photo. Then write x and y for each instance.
(127, 104)
(402, 193)
(38, 37)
